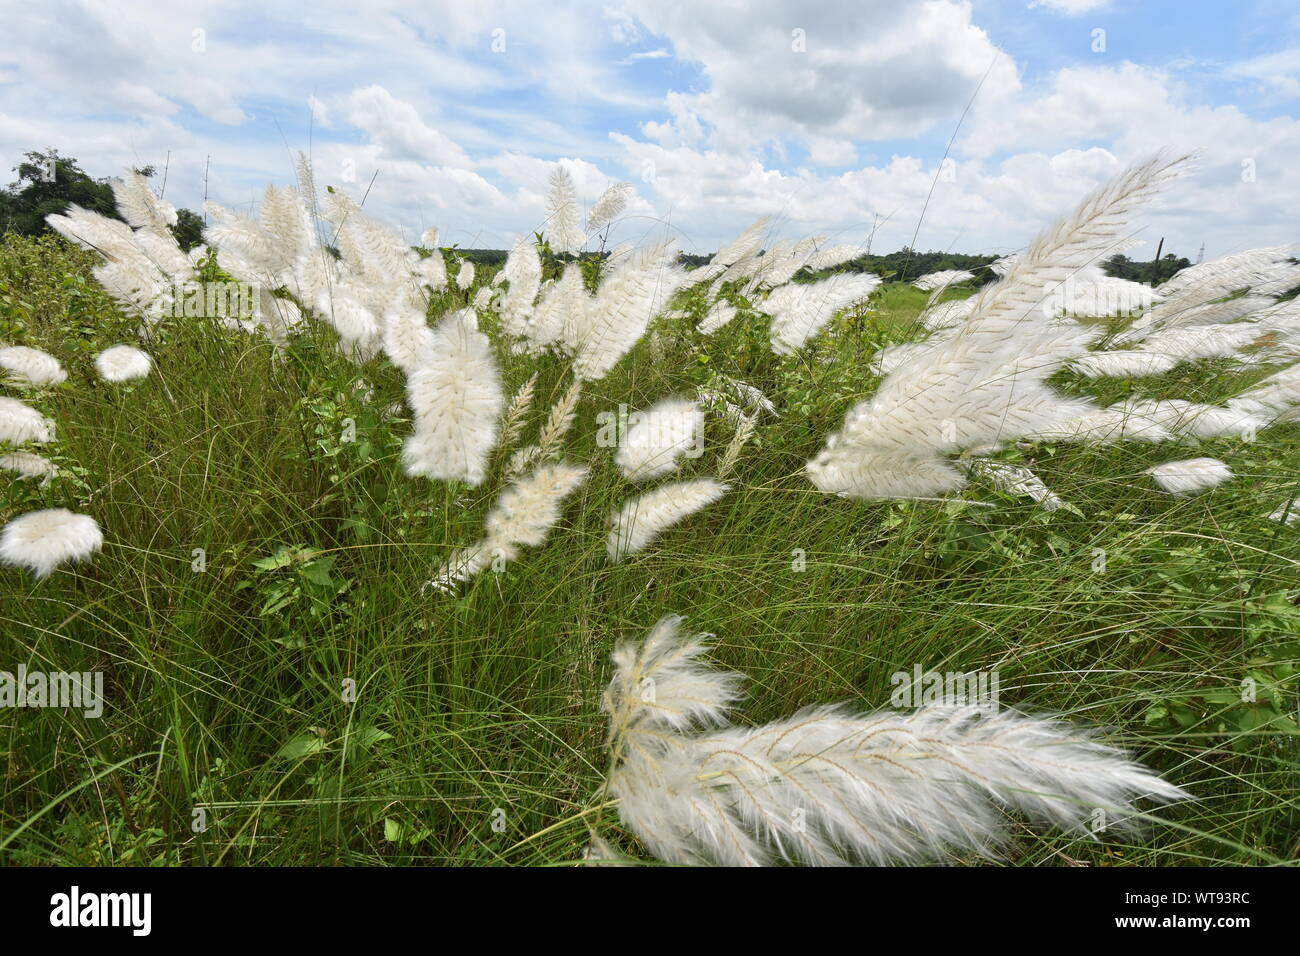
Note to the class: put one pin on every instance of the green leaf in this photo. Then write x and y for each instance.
(366, 737)
(301, 746)
(318, 571)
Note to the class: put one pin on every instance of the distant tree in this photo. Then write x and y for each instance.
(188, 229)
(1152, 273)
(48, 183)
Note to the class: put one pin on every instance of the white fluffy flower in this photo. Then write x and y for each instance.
(1016, 480)
(800, 310)
(1122, 364)
(522, 517)
(29, 466)
(562, 225)
(643, 519)
(659, 436)
(21, 423)
(1191, 475)
(941, 280)
(635, 287)
(31, 367)
(121, 363)
(456, 397)
(830, 785)
(42, 540)
(465, 277)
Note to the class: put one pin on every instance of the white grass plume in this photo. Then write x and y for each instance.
(830, 786)
(801, 310)
(138, 205)
(1199, 421)
(550, 438)
(529, 508)
(1105, 426)
(1122, 363)
(408, 341)
(987, 384)
(1271, 396)
(28, 465)
(938, 281)
(40, 541)
(742, 248)
(560, 312)
(562, 221)
(465, 275)
(523, 270)
(609, 206)
(1015, 480)
(20, 424)
(643, 519)
(753, 398)
(746, 425)
(635, 288)
(947, 315)
(517, 411)
(720, 313)
(1203, 341)
(659, 437)
(456, 398)
(1190, 476)
(522, 516)
(31, 368)
(122, 363)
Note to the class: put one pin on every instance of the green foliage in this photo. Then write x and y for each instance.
(188, 229)
(1152, 273)
(47, 183)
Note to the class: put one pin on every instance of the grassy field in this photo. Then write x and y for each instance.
(256, 560)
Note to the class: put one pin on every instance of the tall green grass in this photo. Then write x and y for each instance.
(475, 736)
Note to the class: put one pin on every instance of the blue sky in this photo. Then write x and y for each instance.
(831, 117)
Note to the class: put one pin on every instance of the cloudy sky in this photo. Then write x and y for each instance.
(833, 117)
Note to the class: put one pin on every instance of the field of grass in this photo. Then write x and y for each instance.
(256, 560)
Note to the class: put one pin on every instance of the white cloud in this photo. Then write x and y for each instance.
(1279, 71)
(396, 127)
(847, 69)
(1070, 8)
(717, 116)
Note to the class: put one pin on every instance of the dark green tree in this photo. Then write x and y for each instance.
(48, 183)
(188, 229)
(1152, 273)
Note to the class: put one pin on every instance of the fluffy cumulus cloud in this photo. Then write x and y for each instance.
(831, 73)
(833, 118)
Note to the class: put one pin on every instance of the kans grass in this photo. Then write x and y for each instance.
(264, 549)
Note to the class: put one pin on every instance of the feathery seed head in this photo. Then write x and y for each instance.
(121, 363)
(40, 541)
(31, 367)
